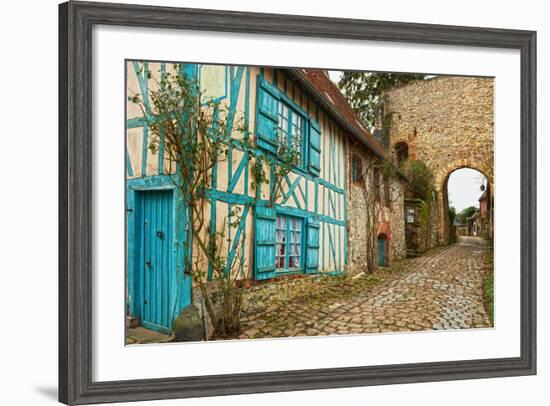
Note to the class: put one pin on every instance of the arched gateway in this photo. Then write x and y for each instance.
(448, 123)
(441, 181)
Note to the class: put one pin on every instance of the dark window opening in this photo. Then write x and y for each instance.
(401, 152)
(356, 169)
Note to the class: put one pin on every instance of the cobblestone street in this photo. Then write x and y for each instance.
(440, 290)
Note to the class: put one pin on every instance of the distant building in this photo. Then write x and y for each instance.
(460, 227)
(473, 224)
(486, 213)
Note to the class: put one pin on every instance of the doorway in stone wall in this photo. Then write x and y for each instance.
(382, 250)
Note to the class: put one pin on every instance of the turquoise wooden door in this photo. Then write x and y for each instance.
(156, 281)
(381, 251)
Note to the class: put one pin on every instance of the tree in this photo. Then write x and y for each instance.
(452, 213)
(196, 135)
(420, 184)
(363, 91)
(465, 213)
(377, 174)
(452, 227)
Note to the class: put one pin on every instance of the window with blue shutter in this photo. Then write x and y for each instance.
(312, 254)
(281, 123)
(290, 129)
(314, 147)
(268, 116)
(265, 242)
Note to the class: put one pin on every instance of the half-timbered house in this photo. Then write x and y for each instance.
(305, 232)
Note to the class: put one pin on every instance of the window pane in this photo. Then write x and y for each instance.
(290, 128)
(283, 124)
(296, 135)
(280, 227)
(292, 246)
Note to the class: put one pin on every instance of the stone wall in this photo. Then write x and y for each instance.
(421, 233)
(357, 239)
(398, 249)
(447, 122)
(390, 218)
(356, 209)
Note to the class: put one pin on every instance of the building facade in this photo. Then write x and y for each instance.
(375, 211)
(306, 230)
(485, 213)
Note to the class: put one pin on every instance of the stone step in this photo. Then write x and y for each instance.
(132, 322)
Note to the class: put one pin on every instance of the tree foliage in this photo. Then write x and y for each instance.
(465, 213)
(363, 90)
(452, 213)
(452, 227)
(420, 184)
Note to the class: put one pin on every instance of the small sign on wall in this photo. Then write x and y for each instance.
(410, 215)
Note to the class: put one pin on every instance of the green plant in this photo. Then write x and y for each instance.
(420, 184)
(465, 213)
(452, 227)
(488, 290)
(489, 287)
(288, 158)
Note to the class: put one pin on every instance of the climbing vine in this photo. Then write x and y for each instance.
(420, 186)
(196, 135)
(377, 174)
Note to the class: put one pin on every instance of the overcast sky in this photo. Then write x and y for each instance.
(463, 188)
(335, 75)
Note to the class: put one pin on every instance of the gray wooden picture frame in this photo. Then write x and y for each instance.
(76, 20)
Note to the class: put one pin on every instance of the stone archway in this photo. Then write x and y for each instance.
(447, 122)
(441, 179)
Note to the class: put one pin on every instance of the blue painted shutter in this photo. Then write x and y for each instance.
(312, 254)
(265, 243)
(267, 120)
(314, 147)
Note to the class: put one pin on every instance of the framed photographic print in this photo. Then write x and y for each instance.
(259, 202)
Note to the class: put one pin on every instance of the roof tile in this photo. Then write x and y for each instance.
(326, 87)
